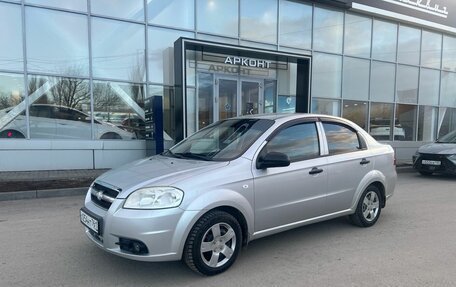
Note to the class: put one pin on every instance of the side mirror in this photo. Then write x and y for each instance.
(273, 159)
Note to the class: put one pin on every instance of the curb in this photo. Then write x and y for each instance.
(44, 193)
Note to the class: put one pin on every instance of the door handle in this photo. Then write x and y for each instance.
(315, 170)
(364, 161)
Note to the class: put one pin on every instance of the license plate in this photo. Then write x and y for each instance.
(431, 162)
(90, 222)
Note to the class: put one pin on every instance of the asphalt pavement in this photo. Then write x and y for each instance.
(42, 243)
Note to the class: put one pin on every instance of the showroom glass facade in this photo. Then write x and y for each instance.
(82, 69)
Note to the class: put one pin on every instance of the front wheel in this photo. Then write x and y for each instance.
(213, 243)
(368, 209)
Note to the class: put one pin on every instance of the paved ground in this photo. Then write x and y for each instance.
(413, 244)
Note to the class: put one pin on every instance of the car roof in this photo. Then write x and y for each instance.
(288, 116)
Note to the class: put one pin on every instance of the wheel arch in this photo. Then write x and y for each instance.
(375, 178)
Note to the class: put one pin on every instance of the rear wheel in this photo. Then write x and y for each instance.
(368, 209)
(426, 173)
(11, 134)
(213, 243)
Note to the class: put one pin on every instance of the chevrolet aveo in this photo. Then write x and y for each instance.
(235, 181)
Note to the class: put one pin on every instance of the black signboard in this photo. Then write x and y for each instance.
(154, 123)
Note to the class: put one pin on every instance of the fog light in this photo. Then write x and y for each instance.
(133, 246)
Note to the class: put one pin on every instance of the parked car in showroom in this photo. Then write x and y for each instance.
(235, 181)
(437, 157)
(47, 121)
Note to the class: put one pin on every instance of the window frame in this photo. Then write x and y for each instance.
(361, 141)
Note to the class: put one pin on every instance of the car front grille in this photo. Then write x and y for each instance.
(103, 196)
(445, 166)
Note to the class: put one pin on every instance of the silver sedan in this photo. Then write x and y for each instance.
(235, 181)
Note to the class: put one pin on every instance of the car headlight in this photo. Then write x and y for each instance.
(154, 198)
(452, 158)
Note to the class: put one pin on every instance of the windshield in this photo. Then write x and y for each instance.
(448, 138)
(222, 141)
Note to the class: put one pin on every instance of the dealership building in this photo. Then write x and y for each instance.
(77, 77)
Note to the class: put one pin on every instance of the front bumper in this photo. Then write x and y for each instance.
(162, 231)
(446, 166)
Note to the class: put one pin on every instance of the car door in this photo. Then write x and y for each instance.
(349, 161)
(285, 195)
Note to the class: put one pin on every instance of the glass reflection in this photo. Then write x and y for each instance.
(357, 35)
(78, 5)
(409, 45)
(295, 24)
(326, 76)
(431, 50)
(59, 108)
(118, 110)
(449, 53)
(210, 17)
(448, 89)
(161, 54)
(326, 107)
(427, 123)
(429, 87)
(340, 139)
(383, 76)
(174, 13)
(11, 53)
(355, 79)
(128, 9)
(407, 84)
(356, 111)
(259, 20)
(405, 129)
(118, 50)
(447, 121)
(384, 41)
(328, 28)
(381, 122)
(205, 99)
(12, 106)
(58, 45)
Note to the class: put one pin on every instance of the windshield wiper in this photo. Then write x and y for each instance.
(192, 156)
(170, 153)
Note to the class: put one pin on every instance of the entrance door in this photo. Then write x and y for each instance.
(226, 98)
(251, 97)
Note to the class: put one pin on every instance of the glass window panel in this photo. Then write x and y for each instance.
(259, 20)
(78, 5)
(381, 121)
(59, 108)
(286, 89)
(328, 30)
(383, 76)
(448, 89)
(298, 142)
(295, 24)
(409, 45)
(358, 31)
(427, 123)
(405, 129)
(118, 50)
(205, 99)
(161, 54)
(326, 107)
(449, 53)
(355, 79)
(169, 128)
(407, 84)
(12, 106)
(429, 87)
(191, 110)
(11, 52)
(447, 121)
(384, 41)
(118, 110)
(58, 45)
(210, 19)
(356, 111)
(175, 13)
(431, 50)
(340, 139)
(128, 9)
(326, 76)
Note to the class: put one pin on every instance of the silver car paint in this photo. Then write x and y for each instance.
(236, 184)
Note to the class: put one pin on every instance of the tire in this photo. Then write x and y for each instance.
(425, 173)
(368, 209)
(11, 134)
(111, 136)
(220, 250)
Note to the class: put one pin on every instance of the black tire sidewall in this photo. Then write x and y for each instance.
(208, 221)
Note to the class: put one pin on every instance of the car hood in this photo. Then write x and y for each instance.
(157, 170)
(438, 148)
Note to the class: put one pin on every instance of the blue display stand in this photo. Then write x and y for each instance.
(154, 124)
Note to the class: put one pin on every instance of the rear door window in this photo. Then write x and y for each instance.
(341, 139)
